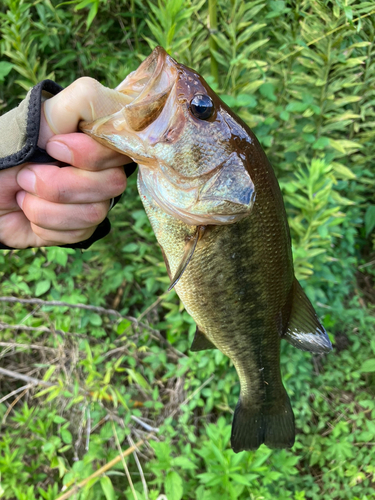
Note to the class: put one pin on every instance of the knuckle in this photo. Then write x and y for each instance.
(117, 181)
(31, 210)
(87, 83)
(95, 213)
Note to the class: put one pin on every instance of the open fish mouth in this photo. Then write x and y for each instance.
(142, 94)
(148, 89)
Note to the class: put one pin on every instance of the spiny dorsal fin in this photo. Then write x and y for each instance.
(304, 329)
(188, 254)
(201, 342)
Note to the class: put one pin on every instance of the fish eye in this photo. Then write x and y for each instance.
(202, 106)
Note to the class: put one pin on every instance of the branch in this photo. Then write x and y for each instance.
(25, 346)
(25, 378)
(98, 309)
(44, 329)
(105, 467)
(58, 303)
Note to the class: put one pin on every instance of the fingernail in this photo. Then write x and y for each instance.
(26, 180)
(20, 196)
(59, 151)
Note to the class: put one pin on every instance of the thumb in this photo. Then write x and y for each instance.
(85, 99)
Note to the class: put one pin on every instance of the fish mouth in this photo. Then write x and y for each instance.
(142, 95)
(148, 89)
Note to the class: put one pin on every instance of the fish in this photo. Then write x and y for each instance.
(217, 212)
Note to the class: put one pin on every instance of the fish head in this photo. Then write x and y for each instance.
(187, 142)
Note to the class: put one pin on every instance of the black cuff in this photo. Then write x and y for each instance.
(30, 148)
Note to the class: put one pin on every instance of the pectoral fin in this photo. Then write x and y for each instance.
(190, 246)
(201, 342)
(304, 329)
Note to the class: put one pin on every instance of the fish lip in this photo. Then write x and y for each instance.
(153, 79)
(157, 58)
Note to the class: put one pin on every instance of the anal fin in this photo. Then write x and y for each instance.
(201, 342)
(304, 329)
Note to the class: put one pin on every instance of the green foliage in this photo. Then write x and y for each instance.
(302, 75)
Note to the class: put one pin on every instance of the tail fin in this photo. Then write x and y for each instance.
(271, 425)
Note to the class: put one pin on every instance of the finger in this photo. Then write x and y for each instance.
(17, 232)
(9, 188)
(84, 152)
(71, 185)
(85, 99)
(47, 237)
(58, 217)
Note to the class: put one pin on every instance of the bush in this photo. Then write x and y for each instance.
(302, 76)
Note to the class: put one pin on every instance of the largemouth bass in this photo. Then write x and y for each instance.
(217, 212)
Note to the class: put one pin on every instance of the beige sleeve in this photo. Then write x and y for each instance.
(19, 128)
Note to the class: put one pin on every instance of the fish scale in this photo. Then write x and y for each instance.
(217, 212)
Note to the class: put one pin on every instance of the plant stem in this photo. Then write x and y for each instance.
(212, 44)
(134, 26)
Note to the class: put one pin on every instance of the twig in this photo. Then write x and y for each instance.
(12, 405)
(191, 396)
(26, 346)
(139, 466)
(152, 306)
(25, 378)
(44, 329)
(103, 469)
(143, 424)
(126, 469)
(58, 303)
(367, 264)
(88, 429)
(16, 391)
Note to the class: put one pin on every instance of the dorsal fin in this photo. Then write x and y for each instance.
(201, 342)
(304, 329)
(190, 246)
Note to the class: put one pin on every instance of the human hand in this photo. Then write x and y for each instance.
(44, 205)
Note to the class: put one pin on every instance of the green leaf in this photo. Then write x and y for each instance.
(130, 248)
(370, 219)
(5, 69)
(368, 365)
(268, 91)
(342, 172)
(107, 488)
(173, 486)
(122, 326)
(92, 13)
(59, 420)
(66, 436)
(138, 379)
(184, 463)
(49, 373)
(246, 100)
(321, 143)
(42, 287)
(95, 319)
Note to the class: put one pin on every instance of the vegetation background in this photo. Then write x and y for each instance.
(302, 75)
